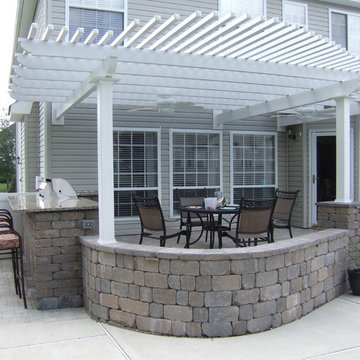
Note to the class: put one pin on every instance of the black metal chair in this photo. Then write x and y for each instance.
(285, 201)
(11, 244)
(253, 222)
(196, 220)
(152, 221)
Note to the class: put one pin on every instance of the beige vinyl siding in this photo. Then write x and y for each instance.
(144, 10)
(41, 16)
(74, 148)
(295, 159)
(273, 9)
(318, 18)
(57, 12)
(32, 146)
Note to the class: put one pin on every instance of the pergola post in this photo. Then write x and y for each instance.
(105, 161)
(357, 151)
(343, 150)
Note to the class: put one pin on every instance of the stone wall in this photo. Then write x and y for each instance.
(53, 256)
(210, 293)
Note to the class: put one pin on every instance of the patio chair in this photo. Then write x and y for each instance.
(285, 201)
(253, 222)
(153, 222)
(196, 220)
(11, 244)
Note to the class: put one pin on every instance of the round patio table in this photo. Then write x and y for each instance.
(213, 224)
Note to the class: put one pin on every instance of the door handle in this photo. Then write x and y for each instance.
(314, 178)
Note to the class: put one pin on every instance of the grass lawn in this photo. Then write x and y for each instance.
(3, 187)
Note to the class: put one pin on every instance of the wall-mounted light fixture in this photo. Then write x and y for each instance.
(291, 133)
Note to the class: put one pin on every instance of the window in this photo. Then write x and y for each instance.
(254, 165)
(295, 13)
(136, 167)
(252, 7)
(345, 30)
(96, 14)
(195, 162)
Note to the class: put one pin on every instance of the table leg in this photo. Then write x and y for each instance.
(212, 230)
(188, 230)
(219, 230)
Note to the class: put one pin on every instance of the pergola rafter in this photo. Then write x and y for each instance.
(217, 63)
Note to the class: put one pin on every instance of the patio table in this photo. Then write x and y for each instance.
(213, 224)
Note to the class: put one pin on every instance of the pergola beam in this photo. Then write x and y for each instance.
(313, 96)
(105, 71)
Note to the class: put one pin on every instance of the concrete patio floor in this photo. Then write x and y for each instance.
(328, 333)
(279, 235)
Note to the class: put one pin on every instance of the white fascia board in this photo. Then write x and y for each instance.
(340, 89)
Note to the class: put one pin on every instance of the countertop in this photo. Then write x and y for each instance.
(34, 203)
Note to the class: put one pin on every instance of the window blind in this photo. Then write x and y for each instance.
(135, 168)
(102, 14)
(253, 165)
(252, 7)
(295, 13)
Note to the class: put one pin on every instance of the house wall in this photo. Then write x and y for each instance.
(74, 146)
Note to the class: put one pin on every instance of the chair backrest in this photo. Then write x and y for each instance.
(150, 213)
(190, 201)
(255, 216)
(285, 201)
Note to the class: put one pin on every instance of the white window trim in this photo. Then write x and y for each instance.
(263, 1)
(299, 4)
(232, 133)
(171, 187)
(345, 12)
(158, 131)
(67, 12)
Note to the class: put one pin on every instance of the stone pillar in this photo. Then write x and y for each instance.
(333, 214)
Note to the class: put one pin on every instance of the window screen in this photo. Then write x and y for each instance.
(253, 166)
(345, 28)
(339, 28)
(135, 168)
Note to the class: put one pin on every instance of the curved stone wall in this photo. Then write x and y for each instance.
(211, 293)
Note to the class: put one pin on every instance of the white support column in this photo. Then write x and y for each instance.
(357, 157)
(105, 161)
(343, 150)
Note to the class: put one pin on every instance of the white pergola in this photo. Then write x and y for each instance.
(238, 67)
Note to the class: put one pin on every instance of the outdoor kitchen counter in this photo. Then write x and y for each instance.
(34, 203)
(50, 231)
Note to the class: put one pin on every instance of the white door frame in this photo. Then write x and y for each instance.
(313, 169)
(314, 134)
